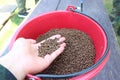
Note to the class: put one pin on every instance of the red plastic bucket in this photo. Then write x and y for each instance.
(66, 19)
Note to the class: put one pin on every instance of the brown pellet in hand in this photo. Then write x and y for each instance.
(48, 47)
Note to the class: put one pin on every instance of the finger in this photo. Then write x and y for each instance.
(62, 39)
(32, 41)
(55, 36)
(39, 44)
(52, 37)
(58, 51)
(20, 39)
(50, 58)
(28, 40)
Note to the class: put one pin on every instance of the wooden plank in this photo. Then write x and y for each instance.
(7, 31)
(42, 7)
(5, 13)
(111, 71)
(64, 3)
(1, 26)
(8, 8)
(96, 10)
(4, 16)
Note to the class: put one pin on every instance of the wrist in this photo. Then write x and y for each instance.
(13, 66)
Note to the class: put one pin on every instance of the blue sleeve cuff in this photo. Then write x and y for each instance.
(5, 74)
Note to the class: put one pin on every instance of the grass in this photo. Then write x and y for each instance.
(15, 19)
(108, 5)
(12, 24)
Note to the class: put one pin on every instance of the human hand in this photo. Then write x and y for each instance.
(23, 58)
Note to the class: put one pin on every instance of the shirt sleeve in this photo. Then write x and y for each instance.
(5, 74)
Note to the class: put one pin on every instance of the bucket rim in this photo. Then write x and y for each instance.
(87, 69)
(75, 73)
